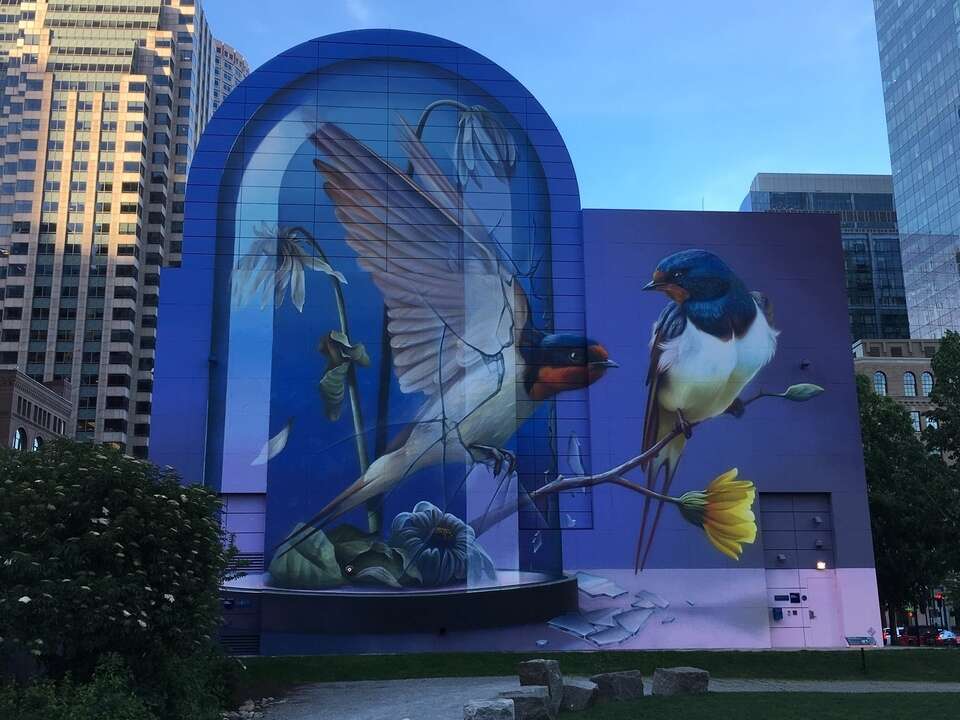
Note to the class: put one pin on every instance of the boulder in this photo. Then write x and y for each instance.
(680, 681)
(616, 686)
(578, 694)
(489, 710)
(531, 703)
(545, 673)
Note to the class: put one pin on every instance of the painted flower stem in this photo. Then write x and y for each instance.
(425, 116)
(613, 476)
(353, 392)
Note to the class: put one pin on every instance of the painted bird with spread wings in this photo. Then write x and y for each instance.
(459, 322)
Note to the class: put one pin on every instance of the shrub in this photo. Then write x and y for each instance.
(107, 695)
(101, 553)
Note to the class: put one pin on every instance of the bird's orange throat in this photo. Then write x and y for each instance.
(553, 380)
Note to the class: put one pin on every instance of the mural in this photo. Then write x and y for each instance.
(423, 375)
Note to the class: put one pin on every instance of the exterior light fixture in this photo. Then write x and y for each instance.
(821, 565)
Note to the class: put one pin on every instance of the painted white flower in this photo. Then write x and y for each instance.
(277, 260)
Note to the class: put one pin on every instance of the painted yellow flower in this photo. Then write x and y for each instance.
(724, 511)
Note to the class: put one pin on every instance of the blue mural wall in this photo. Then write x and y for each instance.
(421, 376)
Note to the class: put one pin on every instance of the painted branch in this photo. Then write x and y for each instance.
(613, 476)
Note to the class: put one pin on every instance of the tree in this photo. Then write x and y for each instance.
(104, 555)
(913, 503)
(945, 435)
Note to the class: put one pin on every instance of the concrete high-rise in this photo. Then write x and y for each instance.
(919, 43)
(868, 230)
(229, 68)
(101, 109)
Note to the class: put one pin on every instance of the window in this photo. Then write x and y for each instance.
(915, 420)
(926, 383)
(909, 384)
(20, 439)
(37, 443)
(879, 383)
(932, 422)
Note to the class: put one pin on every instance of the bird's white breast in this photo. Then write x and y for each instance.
(705, 374)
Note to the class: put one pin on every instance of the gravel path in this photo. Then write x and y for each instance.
(443, 698)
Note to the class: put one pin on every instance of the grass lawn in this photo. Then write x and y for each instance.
(266, 676)
(784, 706)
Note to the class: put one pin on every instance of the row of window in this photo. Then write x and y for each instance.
(41, 417)
(909, 383)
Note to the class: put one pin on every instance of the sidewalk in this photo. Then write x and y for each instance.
(444, 698)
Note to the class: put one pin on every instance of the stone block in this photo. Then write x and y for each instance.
(680, 681)
(531, 703)
(616, 686)
(489, 710)
(545, 673)
(578, 694)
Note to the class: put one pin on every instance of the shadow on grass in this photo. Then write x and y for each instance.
(272, 676)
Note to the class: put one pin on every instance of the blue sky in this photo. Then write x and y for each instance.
(663, 105)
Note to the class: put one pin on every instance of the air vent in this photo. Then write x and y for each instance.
(247, 563)
(241, 644)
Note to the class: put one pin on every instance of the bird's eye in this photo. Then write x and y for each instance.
(677, 274)
(574, 356)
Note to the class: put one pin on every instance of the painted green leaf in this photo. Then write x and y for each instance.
(311, 565)
(802, 392)
(333, 386)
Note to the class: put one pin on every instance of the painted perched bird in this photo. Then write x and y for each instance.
(458, 318)
(708, 343)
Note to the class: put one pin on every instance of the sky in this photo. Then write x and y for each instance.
(663, 105)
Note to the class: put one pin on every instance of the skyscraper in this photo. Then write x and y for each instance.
(868, 230)
(229, 68)
(919, 44)
(101, 109)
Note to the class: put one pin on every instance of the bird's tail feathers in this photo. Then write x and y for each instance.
(666, 460)
(365, 487)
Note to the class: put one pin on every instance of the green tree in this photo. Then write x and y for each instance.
(913, 503)
(945, 436)
(104, 555)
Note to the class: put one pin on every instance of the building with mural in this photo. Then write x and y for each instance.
(446, 406)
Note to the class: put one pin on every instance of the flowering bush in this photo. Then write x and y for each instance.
(101, 554)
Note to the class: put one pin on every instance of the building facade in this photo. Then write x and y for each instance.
(902, 370)
(868, 228)
(919, 42)
(229, 68)
(32, 413)
(100, 113)
(397, 344)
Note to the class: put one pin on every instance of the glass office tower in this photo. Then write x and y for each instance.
(920, 65)
(101, 108)
(868, 229)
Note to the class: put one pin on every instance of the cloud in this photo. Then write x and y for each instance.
(359, 11)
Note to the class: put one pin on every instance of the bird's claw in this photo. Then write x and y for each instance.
(683, 426)
(736, 408)
(497, 459)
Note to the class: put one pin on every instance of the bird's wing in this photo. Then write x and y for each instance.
(453, 301)
(657, 422)
(669, 326)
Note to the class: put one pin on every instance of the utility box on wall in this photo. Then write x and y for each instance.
(407, 351)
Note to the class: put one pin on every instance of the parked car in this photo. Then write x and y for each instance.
(945, 638)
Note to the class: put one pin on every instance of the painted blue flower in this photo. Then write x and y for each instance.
(441, 546)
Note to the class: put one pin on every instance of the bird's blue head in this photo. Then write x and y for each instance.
(564, 361)
(693, 275)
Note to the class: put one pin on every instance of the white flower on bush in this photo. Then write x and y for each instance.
(25, 599)
(168, 597)
(141, 623)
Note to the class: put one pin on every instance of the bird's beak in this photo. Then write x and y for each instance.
(659, 281)
(606, 364)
